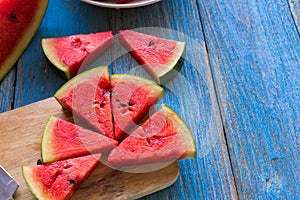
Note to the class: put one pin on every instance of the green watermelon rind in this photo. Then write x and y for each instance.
(50, 52)
(172, 68)
(38, 191)
(48, 49)
(77, 80)
(184, 131)
(46, 154)
(34, 187)
(25, 39)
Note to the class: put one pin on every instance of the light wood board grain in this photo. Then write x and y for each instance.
(20, 133)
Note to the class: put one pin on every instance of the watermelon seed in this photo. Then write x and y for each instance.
(123, 105)
(13, 15)
(102, 104)
(130, 103)
(148, 140)
(72, 181)
(151, 43)
(39, 162)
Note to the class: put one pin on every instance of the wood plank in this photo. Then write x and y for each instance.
(191, 94)
(254, 51)
(21, 132)
(7, 91)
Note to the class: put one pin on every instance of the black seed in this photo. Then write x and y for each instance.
(13, 16)
(151, 43)
(39, 162)
(102, 104)
(72, 181)
(123, 105)
(130, 103)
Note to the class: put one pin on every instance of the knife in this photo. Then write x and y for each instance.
(8, 185)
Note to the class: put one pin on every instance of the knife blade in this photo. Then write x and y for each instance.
(8, 185)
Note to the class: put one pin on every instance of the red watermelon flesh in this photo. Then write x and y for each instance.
(63, 140)
(68, 53)
(58, 180)
(132, 97)
(87, 96)
(157, 55)
(19, 20)
(163, 137)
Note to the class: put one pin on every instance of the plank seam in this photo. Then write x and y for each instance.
(217, 99)
(12, 103)
(293, 17)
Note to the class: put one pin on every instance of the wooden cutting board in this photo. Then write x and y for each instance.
(20, 136)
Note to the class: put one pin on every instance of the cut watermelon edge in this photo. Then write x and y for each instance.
(33, 186)
(184, 131)
(48, 49)
(175, 65)
(47, 155)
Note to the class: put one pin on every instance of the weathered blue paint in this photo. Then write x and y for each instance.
(254, 52)
(7, 91)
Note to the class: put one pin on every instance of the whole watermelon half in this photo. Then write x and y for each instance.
(19, 21)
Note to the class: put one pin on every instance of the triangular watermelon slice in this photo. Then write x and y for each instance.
(131, 97)
(67, 53)
(88, 96)
(58, 180)
(161, 58)
(63, 140)
(163, 137)
(19, 21)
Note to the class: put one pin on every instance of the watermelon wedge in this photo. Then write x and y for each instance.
(131, 97)
(163, 137)
(68, 53)
(161, 58)
(62, 140)
(19, 21)
(58, 180)
(87, 96)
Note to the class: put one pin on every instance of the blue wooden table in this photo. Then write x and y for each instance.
(239, 89)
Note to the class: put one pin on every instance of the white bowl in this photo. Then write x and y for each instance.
(113, 4)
